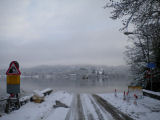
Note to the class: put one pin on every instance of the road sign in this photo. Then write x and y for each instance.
(13, 69)
(151, 65)
(13, 78)
(13, 86)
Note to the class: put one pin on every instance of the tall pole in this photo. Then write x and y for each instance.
(148, 60)
(151, 79)
(148, 57)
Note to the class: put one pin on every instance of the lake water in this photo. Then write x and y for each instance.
(28, 84)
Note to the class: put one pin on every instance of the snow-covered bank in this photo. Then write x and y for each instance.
(152, 92)
(87, 107)
(146, 108)
(45, 110)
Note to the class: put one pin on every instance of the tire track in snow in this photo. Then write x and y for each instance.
(80, 108)
(71, 115)
(92, 110)
(88, 114)
(97, 112)
(116, 114)
(76, 111)
(100, 116)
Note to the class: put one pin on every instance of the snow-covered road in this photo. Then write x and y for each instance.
(83, 107)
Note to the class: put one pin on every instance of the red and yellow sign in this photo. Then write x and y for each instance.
(13, 79)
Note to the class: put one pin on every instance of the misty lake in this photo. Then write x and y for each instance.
(28, 84)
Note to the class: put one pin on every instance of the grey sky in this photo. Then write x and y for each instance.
(48, 32)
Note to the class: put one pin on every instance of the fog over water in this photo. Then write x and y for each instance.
(28, 85)
(68, 33)
(73, 79)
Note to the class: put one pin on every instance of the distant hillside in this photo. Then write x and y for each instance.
(112, 71)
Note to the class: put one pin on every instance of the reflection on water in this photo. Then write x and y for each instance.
(72, 78)
(73, 84)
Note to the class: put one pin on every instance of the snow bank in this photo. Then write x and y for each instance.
(43, 111)
(25, 98)
(152, 92)
(146, 108)
(38, 93)
(46, 90)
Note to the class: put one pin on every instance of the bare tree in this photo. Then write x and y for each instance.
(137, 12)
(144, 15)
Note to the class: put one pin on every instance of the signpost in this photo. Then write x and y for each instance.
(151, 66)
(13, 86)
(13, 78)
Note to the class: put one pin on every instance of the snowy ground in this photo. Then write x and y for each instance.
(146, 108)
(84, 107)
(87, 107)
(43, 111)
(81, 107)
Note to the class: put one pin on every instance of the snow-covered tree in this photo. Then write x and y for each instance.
(137, 12)
(144, 15)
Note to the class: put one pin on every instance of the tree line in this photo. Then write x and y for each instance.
(143, 17)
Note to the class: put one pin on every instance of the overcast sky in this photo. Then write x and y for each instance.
(49, 32)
